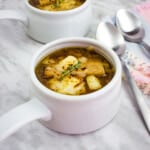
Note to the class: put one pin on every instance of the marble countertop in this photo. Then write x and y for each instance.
(126, 131)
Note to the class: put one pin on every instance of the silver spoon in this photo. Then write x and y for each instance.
(110, 37)
(132, 29)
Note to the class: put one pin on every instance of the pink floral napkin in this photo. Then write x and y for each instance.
(141, 70)
(144, 10)
(141, 73)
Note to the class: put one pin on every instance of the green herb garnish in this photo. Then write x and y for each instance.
(70, 69)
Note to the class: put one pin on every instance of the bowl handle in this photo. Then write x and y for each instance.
(13, 15)
(21, 115)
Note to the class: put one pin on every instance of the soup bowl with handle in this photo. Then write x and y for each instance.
(45, 26)
(66, 113)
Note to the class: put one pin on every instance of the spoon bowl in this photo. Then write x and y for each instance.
(108, 35)
(132, 29)
(132, 25)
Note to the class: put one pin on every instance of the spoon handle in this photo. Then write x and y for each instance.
(138, 96)
(146, 49)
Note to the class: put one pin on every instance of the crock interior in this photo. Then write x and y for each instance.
(56, 45)
(66, 12)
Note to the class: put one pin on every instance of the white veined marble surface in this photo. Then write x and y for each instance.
(127, 130)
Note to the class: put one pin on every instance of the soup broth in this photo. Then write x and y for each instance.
(56, 5)
(74, 71)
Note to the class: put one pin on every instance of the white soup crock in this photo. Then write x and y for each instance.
(45, 26)
(64, 113)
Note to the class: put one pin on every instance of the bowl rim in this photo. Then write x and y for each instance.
(57, 13)
(63, 97)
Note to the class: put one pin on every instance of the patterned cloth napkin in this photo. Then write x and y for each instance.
(141, 72)
(141, 69)
(144, 10)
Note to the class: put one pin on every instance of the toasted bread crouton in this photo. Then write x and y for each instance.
(94, 68)
(69, 85)
(66, 62)
(51, 72)
(93, 82)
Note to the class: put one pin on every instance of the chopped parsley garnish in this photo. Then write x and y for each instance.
(70, 69)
